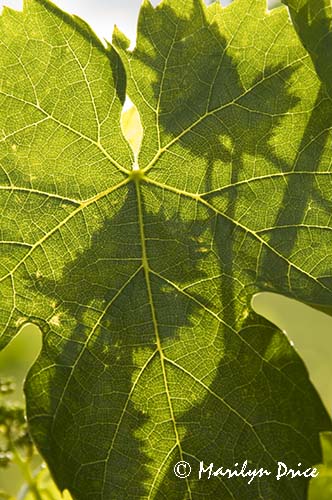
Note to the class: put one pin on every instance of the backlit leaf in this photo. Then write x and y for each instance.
(140, 272)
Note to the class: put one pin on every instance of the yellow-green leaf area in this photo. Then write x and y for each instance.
(139, 261)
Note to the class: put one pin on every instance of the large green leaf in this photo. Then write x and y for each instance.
(141, 275)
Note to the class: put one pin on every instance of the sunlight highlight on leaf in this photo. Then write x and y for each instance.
(132, 129)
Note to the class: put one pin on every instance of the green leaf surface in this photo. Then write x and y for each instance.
(141, 275)
(313, 22)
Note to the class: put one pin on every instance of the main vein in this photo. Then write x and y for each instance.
(147, 273)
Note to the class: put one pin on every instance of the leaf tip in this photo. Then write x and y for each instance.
(119, 39)
(5, 11)
(146, 3)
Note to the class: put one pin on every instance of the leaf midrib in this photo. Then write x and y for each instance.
(147, 271)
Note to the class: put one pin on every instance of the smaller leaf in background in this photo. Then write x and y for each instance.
(310, 332)
(46, 488)
(14, 436)
(16, 448)
(17, 358)
(321, 487)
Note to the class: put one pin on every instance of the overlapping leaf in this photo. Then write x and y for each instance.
(142, 279)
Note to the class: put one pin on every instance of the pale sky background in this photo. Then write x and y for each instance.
(102, 15)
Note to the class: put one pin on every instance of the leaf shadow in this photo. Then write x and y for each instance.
(100, 354)
(315, 33)
(301, 206)
(241, 130)
(242, 407)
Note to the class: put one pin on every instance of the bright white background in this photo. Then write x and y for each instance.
(102, 15)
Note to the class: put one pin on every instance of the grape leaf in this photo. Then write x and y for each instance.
(140, 274)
